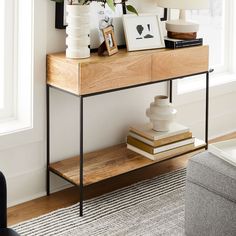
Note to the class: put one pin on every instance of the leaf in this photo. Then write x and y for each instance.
(132, 9)
(110, 3)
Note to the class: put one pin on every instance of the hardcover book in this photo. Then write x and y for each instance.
(161, 142)
(147, 131)
(178, 43)
(162, 155)
(136, 143)
(170, 153)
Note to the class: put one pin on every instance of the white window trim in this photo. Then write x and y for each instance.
(224, 77)
(9, 63)
(218, 87)
(2, 19)
(20, 63)
(19, 131)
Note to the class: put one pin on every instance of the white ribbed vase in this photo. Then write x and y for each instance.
(78, 30)
(161, 113)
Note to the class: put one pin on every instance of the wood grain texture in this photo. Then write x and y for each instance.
(70, 196)
(180, 62)
(183, 36)
(104, 164)
(63, 74)
(118, 73)
(101, 73)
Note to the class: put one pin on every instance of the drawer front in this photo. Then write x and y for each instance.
(179, 62)
(118, 73)
(63, 75)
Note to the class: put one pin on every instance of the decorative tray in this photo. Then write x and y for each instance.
(225, 150)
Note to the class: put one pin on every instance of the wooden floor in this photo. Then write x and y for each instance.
(69, 196)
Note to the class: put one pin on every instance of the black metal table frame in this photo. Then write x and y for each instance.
(81, 186)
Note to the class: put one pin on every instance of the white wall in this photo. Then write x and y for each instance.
(107, 118)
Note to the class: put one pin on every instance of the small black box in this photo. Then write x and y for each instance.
(178, 43)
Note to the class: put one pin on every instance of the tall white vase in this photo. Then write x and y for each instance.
(161, 113)
(78, 30)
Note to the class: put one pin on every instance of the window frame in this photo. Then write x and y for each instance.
(223, 75)
(2, 41)
(9, 48)
(21, 132)
(17, 113)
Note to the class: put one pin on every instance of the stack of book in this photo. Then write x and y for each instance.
(155, 145)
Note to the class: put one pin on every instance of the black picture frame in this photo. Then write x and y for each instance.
(59, 15)
(164, 18)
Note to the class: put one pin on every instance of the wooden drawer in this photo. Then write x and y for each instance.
(113, 74)
(63, 74)
(97, 74)
(179, 62)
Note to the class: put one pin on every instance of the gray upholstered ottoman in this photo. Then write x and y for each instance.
(210, 197)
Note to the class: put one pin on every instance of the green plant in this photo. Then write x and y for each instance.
(110, 3)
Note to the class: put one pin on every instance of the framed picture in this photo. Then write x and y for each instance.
(60, 16)
(99, 15)
(143, 32)
(110, 41)
(165, 15)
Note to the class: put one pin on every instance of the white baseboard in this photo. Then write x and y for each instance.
(222, 134)
(31, 185)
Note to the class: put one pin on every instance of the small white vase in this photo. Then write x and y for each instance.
(78, 30)
(161, 113)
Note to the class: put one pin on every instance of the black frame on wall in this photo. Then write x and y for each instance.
(59, 19)
(59, 16)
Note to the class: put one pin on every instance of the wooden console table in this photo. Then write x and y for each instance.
(99, 75)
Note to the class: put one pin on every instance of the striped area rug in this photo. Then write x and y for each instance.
(151, 207)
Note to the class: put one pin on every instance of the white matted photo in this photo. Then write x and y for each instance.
(143, 32)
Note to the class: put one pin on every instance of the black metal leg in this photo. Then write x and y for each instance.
(207, 109)
(81, 154)
(171, 90)
(48, 139)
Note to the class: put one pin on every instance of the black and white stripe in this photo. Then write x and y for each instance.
(64, 220)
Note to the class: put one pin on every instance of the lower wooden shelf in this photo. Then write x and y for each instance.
(107, 163)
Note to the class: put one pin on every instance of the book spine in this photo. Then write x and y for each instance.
(138, 144)
(164, 148)
(157, 138)
(174, 145)
(163, 155)
(140, 152)
(183, 44)
(174, 138)
(161, 142)
(169, 44)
